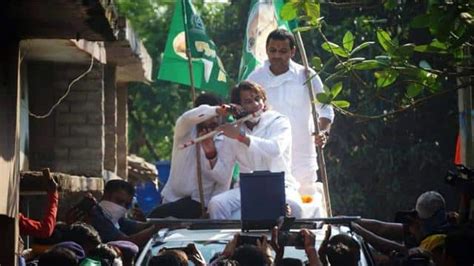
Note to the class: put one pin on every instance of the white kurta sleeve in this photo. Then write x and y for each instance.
(277, 144)
(191, 118)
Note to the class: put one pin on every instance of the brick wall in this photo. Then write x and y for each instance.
(71, 140)
(122, 129)
(110, 108)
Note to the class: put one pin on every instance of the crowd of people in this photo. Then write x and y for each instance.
(340, 249)
(277, 135)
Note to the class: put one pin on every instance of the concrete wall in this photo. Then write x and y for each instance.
(71, 139)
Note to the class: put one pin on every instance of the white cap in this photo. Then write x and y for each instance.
(429, 203)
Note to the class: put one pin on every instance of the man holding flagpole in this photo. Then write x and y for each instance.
(181, 197)
(284, 81)
(189, 48)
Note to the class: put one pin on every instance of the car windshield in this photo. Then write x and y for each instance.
(213, 241)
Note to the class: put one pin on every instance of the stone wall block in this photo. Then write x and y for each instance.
(88, 85)
(96, 72)
(76, 96)
(61, 153)
(86, 107)
(71, 142)
(86, 131)
(86, 154)
(60, 86)
(62, 131)
(79, 167)
(95, 119)
(95, 96)
(64, 107)
(94, 143)
(68, 118)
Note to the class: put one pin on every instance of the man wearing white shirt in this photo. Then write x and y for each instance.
(284, 82)
(181, 194)
(260, 144)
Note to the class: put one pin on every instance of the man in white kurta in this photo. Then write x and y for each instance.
(263, 144)
(181, 194)
(284, 83)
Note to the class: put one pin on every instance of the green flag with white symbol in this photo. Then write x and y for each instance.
(187, 27)
(264, 17)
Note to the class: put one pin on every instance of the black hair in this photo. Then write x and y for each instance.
(343, 250)
(226, 262)
(246, 86)
(56, 236)
(207, 98)
(290, 262)
(83, 234)
(249, 255)
(58, 256)
(281, 35)
(117, 185)
(170, 258)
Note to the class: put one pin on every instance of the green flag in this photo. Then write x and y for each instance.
(264, 17)
(209, 73)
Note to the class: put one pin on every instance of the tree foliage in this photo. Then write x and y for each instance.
(399, 68)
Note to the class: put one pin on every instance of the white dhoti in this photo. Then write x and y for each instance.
(227, 205)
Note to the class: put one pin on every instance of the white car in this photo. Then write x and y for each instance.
(210, 237)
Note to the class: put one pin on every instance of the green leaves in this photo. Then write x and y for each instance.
(317, 63)
(289, 11)
(302, 29)
(336, 89)
(368, 65)
(421, 79)
(385, 40)
(312, 11)
(421, 21)
(323, 98)
(413, 90)
(345, 50)
(434, 47)
(361, 46)
(334, 49)
(385, 77)
(405, 50)
(341, 104)
(329, 95)
(348, 41)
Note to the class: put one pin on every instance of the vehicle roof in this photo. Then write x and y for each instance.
(211, 241)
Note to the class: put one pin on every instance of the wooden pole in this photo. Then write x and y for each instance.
(193, 95)
(319, 150)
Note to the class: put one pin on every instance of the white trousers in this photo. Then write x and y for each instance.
(227, 204)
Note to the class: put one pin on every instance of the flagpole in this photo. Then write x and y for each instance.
(188, 52)
(193, 95)
(319, 150)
